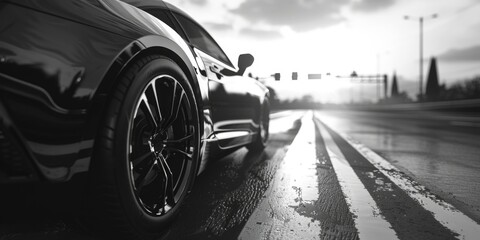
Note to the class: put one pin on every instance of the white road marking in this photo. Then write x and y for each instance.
(368, 219)
(465, 124)
(280, 114)
(443, 212)
(283, 122)
(294, 183)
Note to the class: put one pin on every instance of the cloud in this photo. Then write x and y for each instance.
(199, 2)
(260, 34)
(372, 5)
(300, 15)
(218, 26)
(469, 54)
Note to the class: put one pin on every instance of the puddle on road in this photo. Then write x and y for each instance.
(300, 165)
(284, 213)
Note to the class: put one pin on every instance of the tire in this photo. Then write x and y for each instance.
(146, 153)
(261, 138)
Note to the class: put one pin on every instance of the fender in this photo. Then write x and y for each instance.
(152, 44)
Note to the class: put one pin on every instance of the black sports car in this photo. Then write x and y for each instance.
(134, 95)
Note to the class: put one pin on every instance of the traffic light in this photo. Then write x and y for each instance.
(276, 76)
(294, 75)
(314, 76)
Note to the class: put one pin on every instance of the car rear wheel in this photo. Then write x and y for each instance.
(261, 138)
(146, 154)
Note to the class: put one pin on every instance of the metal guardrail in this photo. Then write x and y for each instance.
(457, 105)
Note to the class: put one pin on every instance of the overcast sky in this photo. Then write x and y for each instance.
(339, 36)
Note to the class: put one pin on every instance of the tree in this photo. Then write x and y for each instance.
(396, 96)
(433, 88)
(394, 86)
(468, 89)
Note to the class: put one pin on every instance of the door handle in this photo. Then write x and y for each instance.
(215, 69)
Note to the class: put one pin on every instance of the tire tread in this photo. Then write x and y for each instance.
(104, 207)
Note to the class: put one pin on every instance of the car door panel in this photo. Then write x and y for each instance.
(231, 106)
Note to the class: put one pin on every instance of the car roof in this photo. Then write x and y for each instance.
(143, 4)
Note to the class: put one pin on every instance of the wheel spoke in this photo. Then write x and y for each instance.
(140, 159)
(168, 186)
(145, 106)
(176, 150)
(155, 102)
(175, 104)
(178, 140)
(145, 176)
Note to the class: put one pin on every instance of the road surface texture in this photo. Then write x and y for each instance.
(323, 175)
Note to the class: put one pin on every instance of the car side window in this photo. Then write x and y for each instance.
(164, 17)
(202, 40)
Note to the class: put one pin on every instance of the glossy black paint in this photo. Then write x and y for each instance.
(59, 61)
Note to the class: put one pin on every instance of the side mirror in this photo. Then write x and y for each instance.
(244, 61)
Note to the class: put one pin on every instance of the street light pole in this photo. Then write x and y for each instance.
(420, 20)
(421, 59)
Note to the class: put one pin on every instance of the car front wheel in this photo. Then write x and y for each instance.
(146, 152)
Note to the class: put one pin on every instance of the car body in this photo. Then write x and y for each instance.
(62, 66)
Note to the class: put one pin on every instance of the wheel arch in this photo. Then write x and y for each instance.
(149, 45)
(137, 49)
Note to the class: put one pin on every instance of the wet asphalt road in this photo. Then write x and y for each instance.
(327, 175)
(440, 151)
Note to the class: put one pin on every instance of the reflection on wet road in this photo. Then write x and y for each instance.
(333, 175)
(326, 185)
(291, 196)
(323, 184)
(226, 194)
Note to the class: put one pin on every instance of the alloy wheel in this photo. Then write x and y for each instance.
(162, 144)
